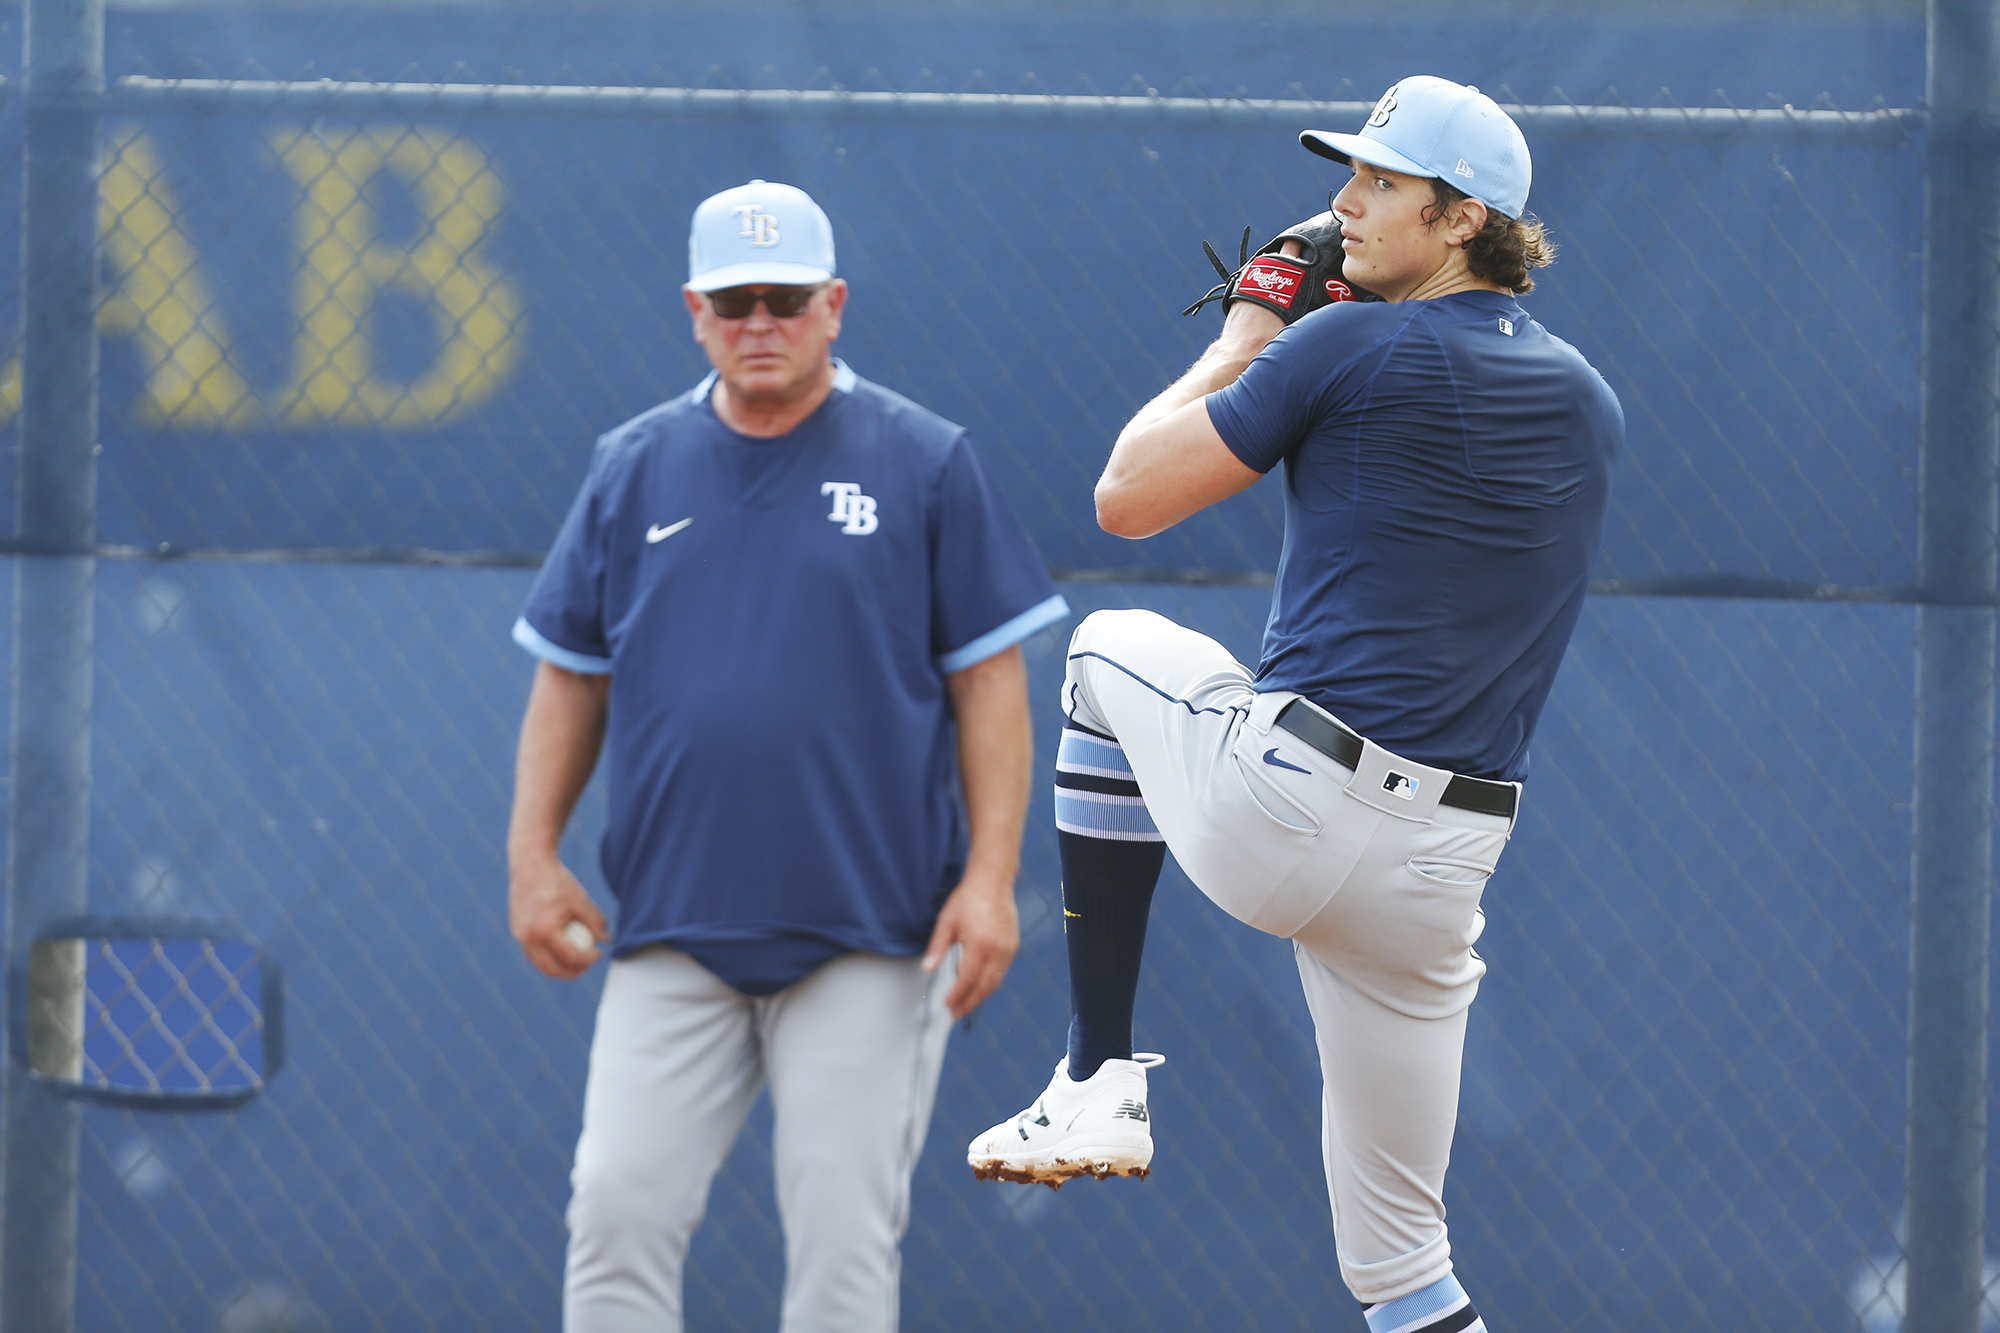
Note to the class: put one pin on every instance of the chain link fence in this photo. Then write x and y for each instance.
(355, 354)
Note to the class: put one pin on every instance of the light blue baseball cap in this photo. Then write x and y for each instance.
(1427, 126)
(760, 232)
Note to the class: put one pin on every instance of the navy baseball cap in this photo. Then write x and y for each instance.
(760, 232)
(1427, 126)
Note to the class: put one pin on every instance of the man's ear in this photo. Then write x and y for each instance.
(1468, 220)
(836, 302)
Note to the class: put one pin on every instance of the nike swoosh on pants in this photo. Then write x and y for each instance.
(1271, 758)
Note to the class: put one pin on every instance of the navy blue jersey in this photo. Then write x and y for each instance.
(1447, 464)
(778, 617)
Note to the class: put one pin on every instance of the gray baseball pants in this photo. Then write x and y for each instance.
(851, 1054)
(1378, 892)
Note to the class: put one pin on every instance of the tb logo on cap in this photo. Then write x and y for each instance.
(1383, 108)
(759, 228)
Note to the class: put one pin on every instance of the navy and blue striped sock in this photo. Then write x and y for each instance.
(1442, 1307)
(1111, 859)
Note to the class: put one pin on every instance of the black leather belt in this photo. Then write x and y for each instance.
(1344, 748)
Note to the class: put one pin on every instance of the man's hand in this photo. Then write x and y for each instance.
(560, 737)
(1248, 326)
(541, 902)
(979, 917)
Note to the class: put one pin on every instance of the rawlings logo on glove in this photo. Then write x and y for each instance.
(1278, 281)
(1291, 286)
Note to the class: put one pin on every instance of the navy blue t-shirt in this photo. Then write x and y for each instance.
(1447, 464)
(778, 617)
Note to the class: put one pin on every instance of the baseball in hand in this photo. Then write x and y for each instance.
(579, 935)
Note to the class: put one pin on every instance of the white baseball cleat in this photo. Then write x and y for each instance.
(1099, 1127)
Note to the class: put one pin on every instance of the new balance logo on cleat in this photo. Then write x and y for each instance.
(1098, 1127)
(1034, 1115)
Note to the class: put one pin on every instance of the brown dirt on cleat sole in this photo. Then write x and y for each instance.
(1009, 1174)
(1056, 1176)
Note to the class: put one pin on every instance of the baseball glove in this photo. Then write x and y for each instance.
(1292, 287)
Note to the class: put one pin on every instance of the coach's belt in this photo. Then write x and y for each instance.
(1342, 746)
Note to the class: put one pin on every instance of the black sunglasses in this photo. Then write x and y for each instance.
(782, 302)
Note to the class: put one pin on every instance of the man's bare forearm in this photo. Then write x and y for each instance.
(560, 739)
(995, 754)
(1217, 368)
(1169, 461)
(1245, 330)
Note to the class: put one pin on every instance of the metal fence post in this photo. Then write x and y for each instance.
(49, 809)
(1951, 870)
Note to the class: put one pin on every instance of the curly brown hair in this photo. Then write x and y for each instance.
(1505, 248)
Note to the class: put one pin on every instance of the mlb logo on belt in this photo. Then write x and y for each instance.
(1397, 784)
(1274, 282)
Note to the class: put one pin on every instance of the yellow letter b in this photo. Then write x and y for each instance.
(344, 266)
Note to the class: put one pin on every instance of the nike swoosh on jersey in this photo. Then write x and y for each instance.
(656, 533)
(1271, 758)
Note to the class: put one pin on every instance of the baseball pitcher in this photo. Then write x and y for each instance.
(1446, 463)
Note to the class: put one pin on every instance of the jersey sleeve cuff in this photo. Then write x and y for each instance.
(1223, 419)
(541, 646)
(1037, 617)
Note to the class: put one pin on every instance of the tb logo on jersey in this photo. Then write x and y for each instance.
(853, 510)
(759, 228)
